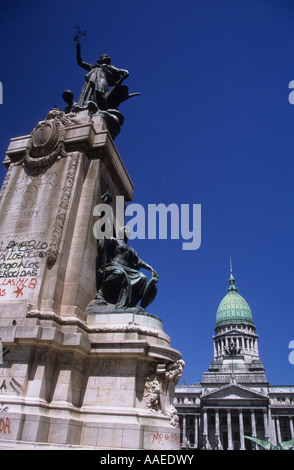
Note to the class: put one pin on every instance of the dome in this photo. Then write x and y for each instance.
(233, 308)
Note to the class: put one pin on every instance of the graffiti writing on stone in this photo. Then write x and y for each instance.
(4, 426)
(3, 408)
(107, 367)
(10, 386)
(20, 264)
(161, 438)
(16, 288)
(19, 259)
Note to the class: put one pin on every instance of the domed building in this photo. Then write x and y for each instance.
(234, 398)
(235, 341)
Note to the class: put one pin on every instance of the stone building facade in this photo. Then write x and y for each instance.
(234, 398)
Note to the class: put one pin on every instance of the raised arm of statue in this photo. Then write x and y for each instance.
(82, 64)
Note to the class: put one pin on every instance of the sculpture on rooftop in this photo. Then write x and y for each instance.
(232, 350)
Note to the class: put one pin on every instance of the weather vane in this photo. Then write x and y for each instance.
(79, 34)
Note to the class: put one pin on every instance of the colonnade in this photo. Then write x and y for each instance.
(244, 343)
(277, 420)
(213, 438)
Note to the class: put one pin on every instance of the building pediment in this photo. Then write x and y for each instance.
(233, 391)
(234, 332)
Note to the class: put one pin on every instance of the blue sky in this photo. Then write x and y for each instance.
(212, 126)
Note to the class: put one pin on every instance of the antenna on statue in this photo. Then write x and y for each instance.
(79, 34)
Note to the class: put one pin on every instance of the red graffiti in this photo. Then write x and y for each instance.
(5, 425)
(18, 291)
(22, 281)
(160, 437)
(20, 284)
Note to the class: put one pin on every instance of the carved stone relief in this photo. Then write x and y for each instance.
(62, 209)
(47, 140)
(160, 388)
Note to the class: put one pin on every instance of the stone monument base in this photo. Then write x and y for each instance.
(70, 379)
(105, 382)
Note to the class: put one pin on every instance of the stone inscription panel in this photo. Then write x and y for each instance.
(29, 197)
(28, 211)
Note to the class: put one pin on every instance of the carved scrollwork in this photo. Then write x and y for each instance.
(62, 210)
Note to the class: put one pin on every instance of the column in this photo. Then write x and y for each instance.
(253, 429)
(228, 342)
(278, 428)
(229, 425)
(217, 434)
(205, 430)
(255, 347)
(265, 422)
(196, 432)
(291, 427)
(241, 429)
(253, 424)
(184, 435)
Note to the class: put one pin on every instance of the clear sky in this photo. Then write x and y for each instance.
(212, 126)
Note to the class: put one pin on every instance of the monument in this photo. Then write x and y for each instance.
(83, 364)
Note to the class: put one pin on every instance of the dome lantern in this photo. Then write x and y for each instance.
(233, 308)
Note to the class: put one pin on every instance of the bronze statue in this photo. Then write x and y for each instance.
(99, 78)
(232, 350)
(102, 92)
(67, 95)
(119, 279)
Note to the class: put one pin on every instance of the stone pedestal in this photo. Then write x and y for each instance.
(71, 379)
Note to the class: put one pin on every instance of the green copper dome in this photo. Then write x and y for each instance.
(233, 308)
